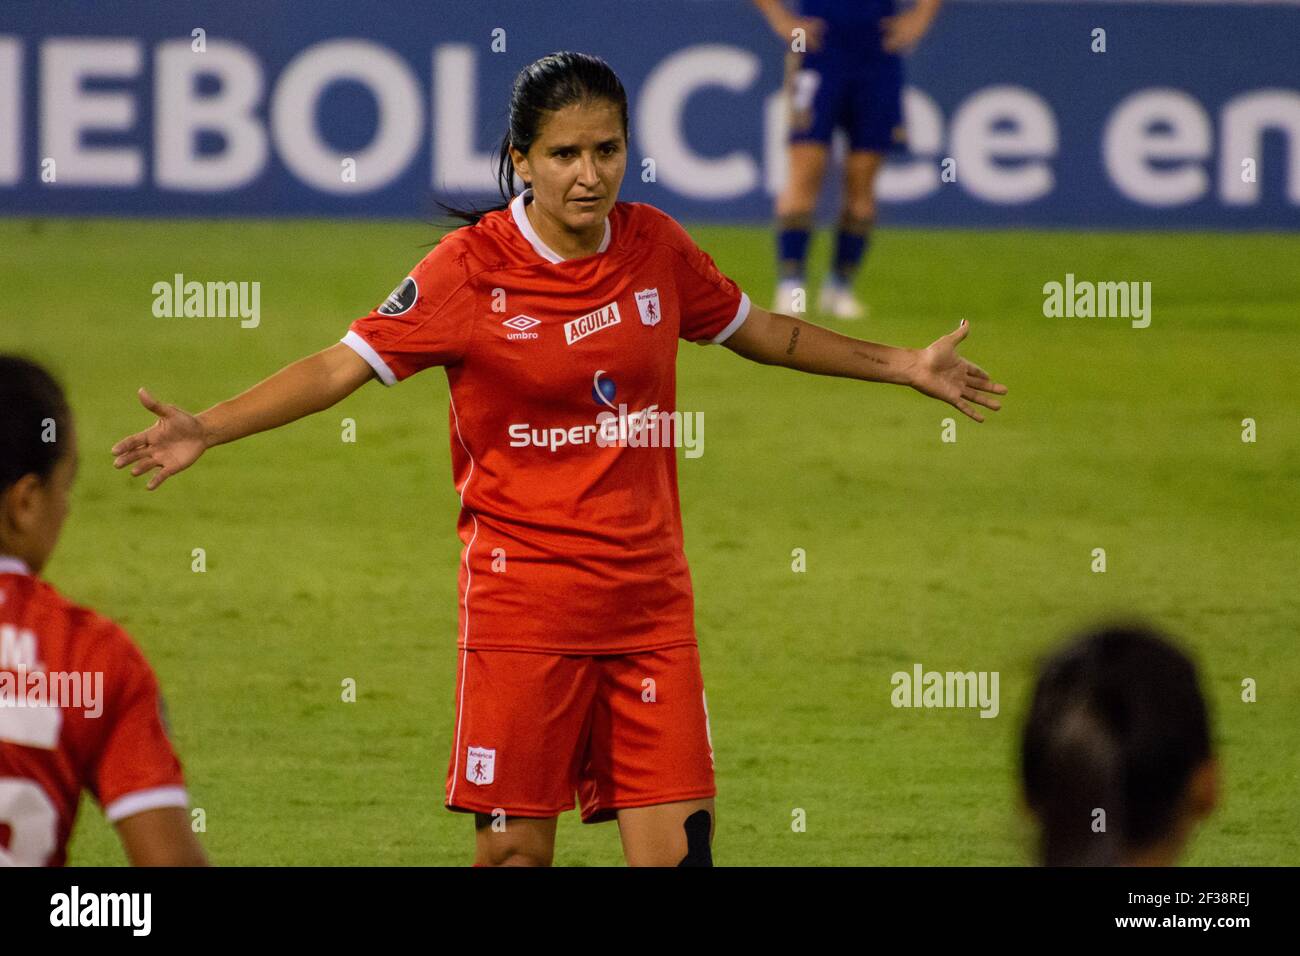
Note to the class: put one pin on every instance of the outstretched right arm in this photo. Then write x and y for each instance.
(177, 439)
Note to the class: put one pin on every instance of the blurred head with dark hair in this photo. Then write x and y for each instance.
(1116, 762)
(38, 461)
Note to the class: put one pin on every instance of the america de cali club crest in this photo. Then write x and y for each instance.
(647, 303)
(480, 765)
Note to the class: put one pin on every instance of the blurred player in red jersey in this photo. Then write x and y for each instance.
(79, 705)
(557, 317)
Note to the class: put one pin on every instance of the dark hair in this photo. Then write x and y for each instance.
(29, 396)
(544, 86)
(1118, 723)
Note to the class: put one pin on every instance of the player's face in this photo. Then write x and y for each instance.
(576, 165)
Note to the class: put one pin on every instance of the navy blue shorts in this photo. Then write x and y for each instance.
(863, 97)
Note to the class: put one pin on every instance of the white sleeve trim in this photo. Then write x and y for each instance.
(140, 801)
(742, 313)
(359, 345)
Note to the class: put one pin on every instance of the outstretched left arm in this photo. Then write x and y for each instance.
(937, 370)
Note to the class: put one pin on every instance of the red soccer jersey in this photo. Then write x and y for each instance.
(111, 740)
(572, 536)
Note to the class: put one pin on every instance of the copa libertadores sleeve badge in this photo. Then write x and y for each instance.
(400, 299)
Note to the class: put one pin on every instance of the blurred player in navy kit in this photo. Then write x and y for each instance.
(845, 71)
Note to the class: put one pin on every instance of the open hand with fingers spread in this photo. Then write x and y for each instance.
(943, 374)
(173, 443)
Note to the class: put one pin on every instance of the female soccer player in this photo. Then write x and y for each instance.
(846, 73)
(99, 726)
(1116, 761)
(557, 317)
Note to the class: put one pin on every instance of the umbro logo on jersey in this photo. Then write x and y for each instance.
(521, 324)
(591, 323)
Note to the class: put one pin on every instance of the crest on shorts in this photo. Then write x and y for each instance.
(647, 303)
(480, 765)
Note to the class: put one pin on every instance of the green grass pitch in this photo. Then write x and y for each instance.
(329, 560)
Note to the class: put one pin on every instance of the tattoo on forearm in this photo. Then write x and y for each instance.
(867, 355)
(794, 340)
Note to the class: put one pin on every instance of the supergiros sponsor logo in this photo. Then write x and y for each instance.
(618, 427)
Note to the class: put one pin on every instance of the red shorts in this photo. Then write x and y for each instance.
(625, 730)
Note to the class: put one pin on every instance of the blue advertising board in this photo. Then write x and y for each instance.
(1189, 117)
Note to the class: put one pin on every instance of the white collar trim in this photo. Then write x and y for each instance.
(526, 227)
(10, 565)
